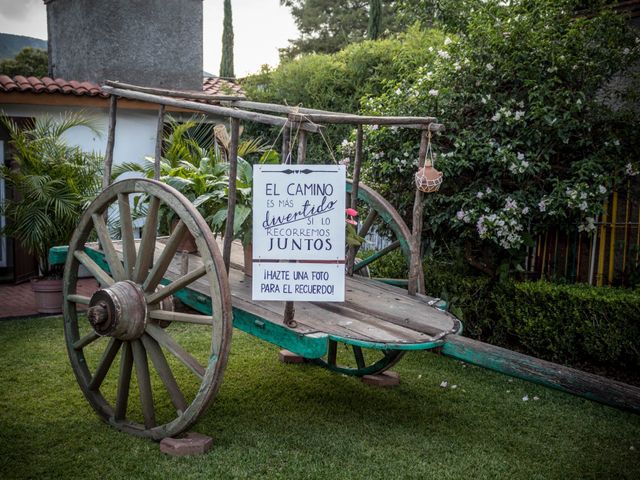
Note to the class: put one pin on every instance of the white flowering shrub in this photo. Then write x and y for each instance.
(536, 134)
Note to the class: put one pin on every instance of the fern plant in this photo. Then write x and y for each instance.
(52, 181)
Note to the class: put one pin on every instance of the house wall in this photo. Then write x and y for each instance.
(153, 42)
(135, 129)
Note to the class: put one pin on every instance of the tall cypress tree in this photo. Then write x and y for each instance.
(375, 19)
(226, 64)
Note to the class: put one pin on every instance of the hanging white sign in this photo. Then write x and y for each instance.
(299, 215)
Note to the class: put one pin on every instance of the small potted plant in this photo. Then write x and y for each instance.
(52, 183)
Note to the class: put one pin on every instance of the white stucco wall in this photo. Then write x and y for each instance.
(135, 129)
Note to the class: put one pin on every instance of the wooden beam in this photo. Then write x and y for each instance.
(108, 155)
(416, 275)
(159, 135)
(341, 118)
(285, 109)
(206, 108)
(174, 93)
(576, 382)
(231, 207)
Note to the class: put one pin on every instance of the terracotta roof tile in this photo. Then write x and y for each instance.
(210, 85)
(219, 86)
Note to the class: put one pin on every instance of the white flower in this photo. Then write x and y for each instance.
(444, 384)
(525, 210)
(626, 51)
(488, 190)
(447, 41)
(578, 102)
(520, 156)
(616, 142)
(632, 172)
(460, 214)
(431, 49)
(433, 92)
(602, 189)
(583, 206)
(519, 114)
(483, 100)
(444, 54)
(479, 195)
(542, 205)
(398, 91)
(525, 398)
(489, 66)
(496, 117)
(457, 66)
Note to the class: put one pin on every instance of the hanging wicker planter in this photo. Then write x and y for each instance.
(428, 179)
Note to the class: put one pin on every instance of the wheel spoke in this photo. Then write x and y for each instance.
(165, 374)
(144, 384)
(181, 317)
(147, 242)
(176, 285)
(100, 275)
(368, 223)
(105, 363)
(372, 258)
(88, 339)
(126, 232)
(110, 254)
(165, 258)
(164, 339)
(81, 299)
(357, 352)
(124, 382)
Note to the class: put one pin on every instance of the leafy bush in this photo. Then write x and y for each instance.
(541, 119)
(571, 324)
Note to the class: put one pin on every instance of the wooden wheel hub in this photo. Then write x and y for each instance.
(118, 311)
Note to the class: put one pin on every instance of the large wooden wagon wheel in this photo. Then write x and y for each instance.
(355, 359)
(130, 320)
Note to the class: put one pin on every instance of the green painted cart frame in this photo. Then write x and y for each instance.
(151, 290)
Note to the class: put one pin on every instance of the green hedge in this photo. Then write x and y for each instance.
(571, 324)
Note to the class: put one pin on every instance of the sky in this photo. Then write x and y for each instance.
(260, 27)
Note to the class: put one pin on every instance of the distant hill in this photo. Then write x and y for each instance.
(10, 45)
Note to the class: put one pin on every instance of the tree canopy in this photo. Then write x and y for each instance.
(28, 62)
(326, 26)
(226, 63)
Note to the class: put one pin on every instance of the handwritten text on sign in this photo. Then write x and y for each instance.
(298, 214)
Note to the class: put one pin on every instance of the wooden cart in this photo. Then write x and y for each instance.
(132, 318)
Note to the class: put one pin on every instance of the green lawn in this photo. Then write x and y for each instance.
(291, 421)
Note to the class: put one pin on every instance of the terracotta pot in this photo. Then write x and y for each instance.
(428, 179)
(248, 259)
(188, 243)
(48, 295)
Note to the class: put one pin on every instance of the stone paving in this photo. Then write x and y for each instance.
(18, 300)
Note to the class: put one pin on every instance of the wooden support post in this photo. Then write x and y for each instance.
(355, 183)
(231, 209)
(111, 135)
(159, 135)
(289, 309)
(302, 147)
(285, 142)
(416, 275)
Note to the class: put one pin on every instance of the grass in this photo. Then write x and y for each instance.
(298, 421)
